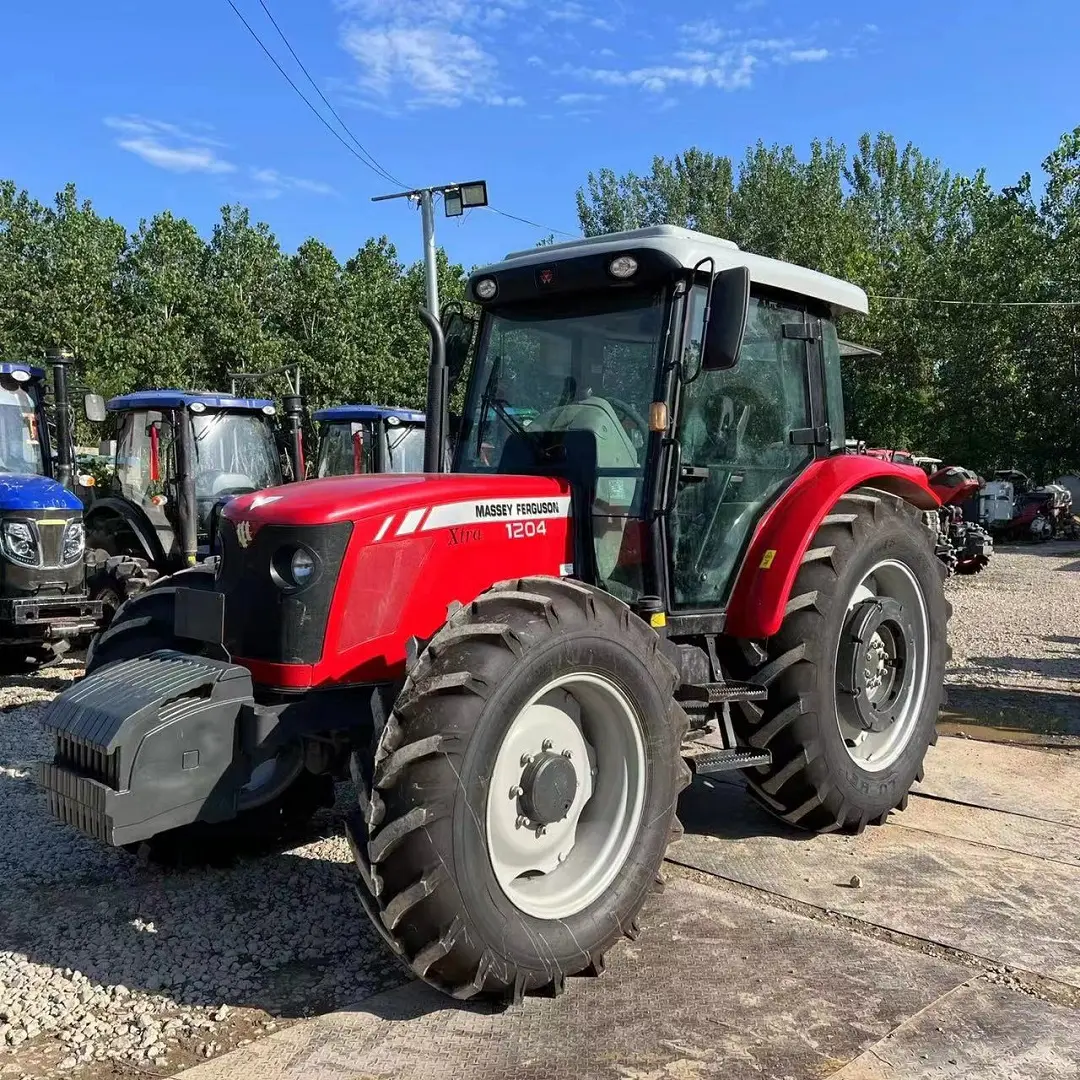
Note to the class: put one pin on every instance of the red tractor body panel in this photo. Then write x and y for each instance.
(418, 543)
(764, 582)
(954, 485)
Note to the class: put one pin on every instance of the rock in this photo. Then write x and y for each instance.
(856, 881)
(222, 1013)
(68, 1063)
(145, 1021)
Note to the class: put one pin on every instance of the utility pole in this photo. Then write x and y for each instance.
(457, 198)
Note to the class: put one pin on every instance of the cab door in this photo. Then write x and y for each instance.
(744, 434)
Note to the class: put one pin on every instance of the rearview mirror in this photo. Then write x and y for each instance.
(94, 408)
(729, 305)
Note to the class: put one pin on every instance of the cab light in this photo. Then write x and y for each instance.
(623, 267)
(486, 288)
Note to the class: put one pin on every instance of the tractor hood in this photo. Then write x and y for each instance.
(350, 498)
(35, 493)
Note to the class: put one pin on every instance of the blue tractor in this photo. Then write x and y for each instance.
(43, 596)
(180, 455)
(369, 439)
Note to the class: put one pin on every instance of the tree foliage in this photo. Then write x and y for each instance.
(981, 382)
(163, 306)
(990, 379)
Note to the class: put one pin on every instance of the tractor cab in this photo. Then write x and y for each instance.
(42, 541)
(678, 383)
(356, 439)
(179, 456)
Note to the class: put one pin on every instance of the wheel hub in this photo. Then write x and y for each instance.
(873, 661)
(548, 787)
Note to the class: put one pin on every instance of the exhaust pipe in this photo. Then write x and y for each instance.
(434, 456)
(59, 358)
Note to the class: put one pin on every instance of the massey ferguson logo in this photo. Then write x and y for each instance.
(243, 533)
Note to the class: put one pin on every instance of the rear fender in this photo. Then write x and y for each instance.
(767, 574)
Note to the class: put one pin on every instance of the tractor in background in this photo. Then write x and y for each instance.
(179, 456)
(1013, 507)
(358, 439)
(43, 598)
(673, 568)
(970, 544)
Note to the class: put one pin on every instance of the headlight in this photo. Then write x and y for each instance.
(302, 567)
(74, 541)
(20, 543)
(623, 266)
(486, 288)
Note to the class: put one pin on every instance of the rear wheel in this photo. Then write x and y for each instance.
(855, 673)
(519, 801)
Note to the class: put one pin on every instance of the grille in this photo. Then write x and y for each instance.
(85, 759)
(263, 621)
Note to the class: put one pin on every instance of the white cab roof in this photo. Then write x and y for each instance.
(690, 247)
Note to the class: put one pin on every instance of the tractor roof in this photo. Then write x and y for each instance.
(10, 369)
(353, 413)
(182, 399)
(689, 248)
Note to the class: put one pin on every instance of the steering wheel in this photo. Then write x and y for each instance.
(630, 413)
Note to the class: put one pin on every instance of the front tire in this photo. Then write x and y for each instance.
(495, 866)
(855, 674)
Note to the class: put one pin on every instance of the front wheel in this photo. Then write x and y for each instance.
(520, 799)
(855, 674)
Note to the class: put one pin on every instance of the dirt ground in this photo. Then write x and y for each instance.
(904, 953)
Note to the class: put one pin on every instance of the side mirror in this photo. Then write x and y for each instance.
(458, 329)
(94, 408)
(728, 309)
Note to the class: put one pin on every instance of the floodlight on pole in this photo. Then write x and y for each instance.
(457, 198)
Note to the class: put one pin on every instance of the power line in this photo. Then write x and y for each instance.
(337, 116)
(534, 224)
(979, 303)
(376, 168)
(362, 154)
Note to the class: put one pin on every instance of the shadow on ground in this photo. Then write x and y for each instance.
(1040, 712)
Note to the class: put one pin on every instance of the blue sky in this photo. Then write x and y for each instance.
(150, 105)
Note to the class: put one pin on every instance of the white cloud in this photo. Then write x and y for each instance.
(436, 65)
(534, 61)
(724, 71)
(808, 56)
(706, 32)
(578, 99)
(428, 54)
(169, 146)
(273, 183)
(573, 12)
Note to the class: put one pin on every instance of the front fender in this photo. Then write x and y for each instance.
(133, 518)
(765, 578)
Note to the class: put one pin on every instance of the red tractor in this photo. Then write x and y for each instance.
(958, 489)
(516, 660)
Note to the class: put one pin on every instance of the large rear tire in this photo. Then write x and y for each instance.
(520, 798)
(855, 674)
(114, 578)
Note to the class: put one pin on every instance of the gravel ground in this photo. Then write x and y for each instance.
(109, 967)
(112, 969)
(1015, 634)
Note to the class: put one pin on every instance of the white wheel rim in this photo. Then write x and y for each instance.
(561, 870)
(875, 751)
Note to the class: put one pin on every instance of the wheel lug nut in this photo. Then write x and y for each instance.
(568, 754)
(547, 744)
(525, 759)
(516, 792)
(540, 830)
(521, 822)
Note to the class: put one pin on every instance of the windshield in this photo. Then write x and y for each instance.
(344, 449)
(234, 453)
(566, 386)
(20, 439)
(405, 448)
